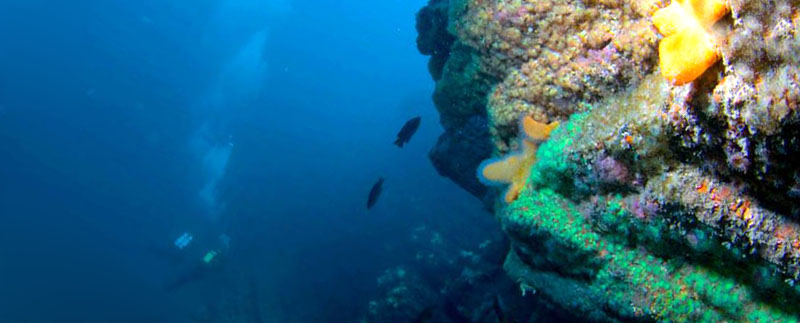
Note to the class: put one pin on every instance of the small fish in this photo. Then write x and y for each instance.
(374, 193)
(407, 131)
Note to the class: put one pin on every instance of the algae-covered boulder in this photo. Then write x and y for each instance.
(615, 208)
(651, 200)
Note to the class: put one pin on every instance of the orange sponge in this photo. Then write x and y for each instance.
(687, 49)
(515, 168)
(535, 130)
(512, 170)
(500, 170)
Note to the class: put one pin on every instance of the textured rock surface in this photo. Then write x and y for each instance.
(433, 39)
(458, 153)
(650, 201)
(554, 57)
(460, 98)
(448, 283)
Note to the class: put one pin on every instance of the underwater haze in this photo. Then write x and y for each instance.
(257, 127)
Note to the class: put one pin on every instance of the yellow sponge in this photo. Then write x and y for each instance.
(514, 169)
(687, 49)
(535, 130)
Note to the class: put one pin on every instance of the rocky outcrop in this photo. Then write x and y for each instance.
(458, 153)
(460, 98)
(650, 201)
(433, 39)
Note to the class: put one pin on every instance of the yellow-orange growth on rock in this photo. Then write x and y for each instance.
(687, 49)
(537, 131)
(514, 169)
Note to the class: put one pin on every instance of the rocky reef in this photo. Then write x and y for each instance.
(460, 97)
(448, 283)
(651, 200)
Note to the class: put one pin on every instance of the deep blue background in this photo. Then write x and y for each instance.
(126, 123)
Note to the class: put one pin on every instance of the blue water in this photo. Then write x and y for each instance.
(126, 123)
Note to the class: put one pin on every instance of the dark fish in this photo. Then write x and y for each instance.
(374, 193)
(407, 131)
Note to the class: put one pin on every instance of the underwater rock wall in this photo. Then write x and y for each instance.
(651, 201)
(554, 57)
(459, 96)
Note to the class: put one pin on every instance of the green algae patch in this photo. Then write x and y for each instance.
(546, 210)
(553, 163)
(554, 241)
(634, 283)
(609, 258)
